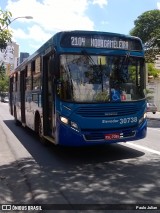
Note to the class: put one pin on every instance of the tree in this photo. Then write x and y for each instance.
(5, 34)
(147, 27)
(5, 37)
(2, 71)
(4, 85)
(4, 81)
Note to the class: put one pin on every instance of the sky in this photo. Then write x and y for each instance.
(51, 16)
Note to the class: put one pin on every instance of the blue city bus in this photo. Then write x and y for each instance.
(82, 88)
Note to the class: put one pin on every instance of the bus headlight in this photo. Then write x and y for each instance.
(142, 118)
(74, 125)
(64, 120)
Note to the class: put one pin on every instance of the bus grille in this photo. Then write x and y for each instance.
(107, 111)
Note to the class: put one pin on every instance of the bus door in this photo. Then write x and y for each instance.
(22, 95)
(48, 96)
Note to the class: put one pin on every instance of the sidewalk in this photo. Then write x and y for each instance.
(22, 181)
(13, 186)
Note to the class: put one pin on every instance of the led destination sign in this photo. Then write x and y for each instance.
(98, 41)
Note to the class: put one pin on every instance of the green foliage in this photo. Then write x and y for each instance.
(4, 84)
(102, 96)
(5, 37)
(152, 71)
(2, 71)
(147, 27)
(5, 34)
(4, 80)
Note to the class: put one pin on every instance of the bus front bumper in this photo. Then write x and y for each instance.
(67, 136)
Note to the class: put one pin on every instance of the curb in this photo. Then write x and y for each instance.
(157, 119)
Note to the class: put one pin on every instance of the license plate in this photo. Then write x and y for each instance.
(112, 136)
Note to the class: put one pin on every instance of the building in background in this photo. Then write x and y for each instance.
(9, 57)
(23, 56)
(153, 85)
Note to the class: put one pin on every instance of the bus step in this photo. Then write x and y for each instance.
(50, 139)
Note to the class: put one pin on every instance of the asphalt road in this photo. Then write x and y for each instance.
(126, 173)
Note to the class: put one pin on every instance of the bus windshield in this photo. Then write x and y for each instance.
(90, 78)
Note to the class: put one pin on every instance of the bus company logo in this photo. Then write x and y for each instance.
(110, 113)
(110, 121)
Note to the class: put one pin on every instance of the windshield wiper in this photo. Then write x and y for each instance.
(124, 68)
(125, 61)
(84, 52)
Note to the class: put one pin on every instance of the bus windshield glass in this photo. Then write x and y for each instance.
(90, 78)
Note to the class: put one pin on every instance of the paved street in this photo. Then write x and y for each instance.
(126, 173)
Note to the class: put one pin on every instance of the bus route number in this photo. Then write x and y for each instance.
(77, 41)
(128, 120)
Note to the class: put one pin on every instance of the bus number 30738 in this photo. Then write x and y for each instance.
(128, 120)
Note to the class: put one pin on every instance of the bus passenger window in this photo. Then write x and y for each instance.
(28, 78)
(36, 81)
(33, 66)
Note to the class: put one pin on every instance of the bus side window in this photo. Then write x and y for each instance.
(36, 74)
(33, 66)
(28, 78)
(14, 83)
(36, 81)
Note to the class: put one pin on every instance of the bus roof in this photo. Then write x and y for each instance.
(60, 36)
